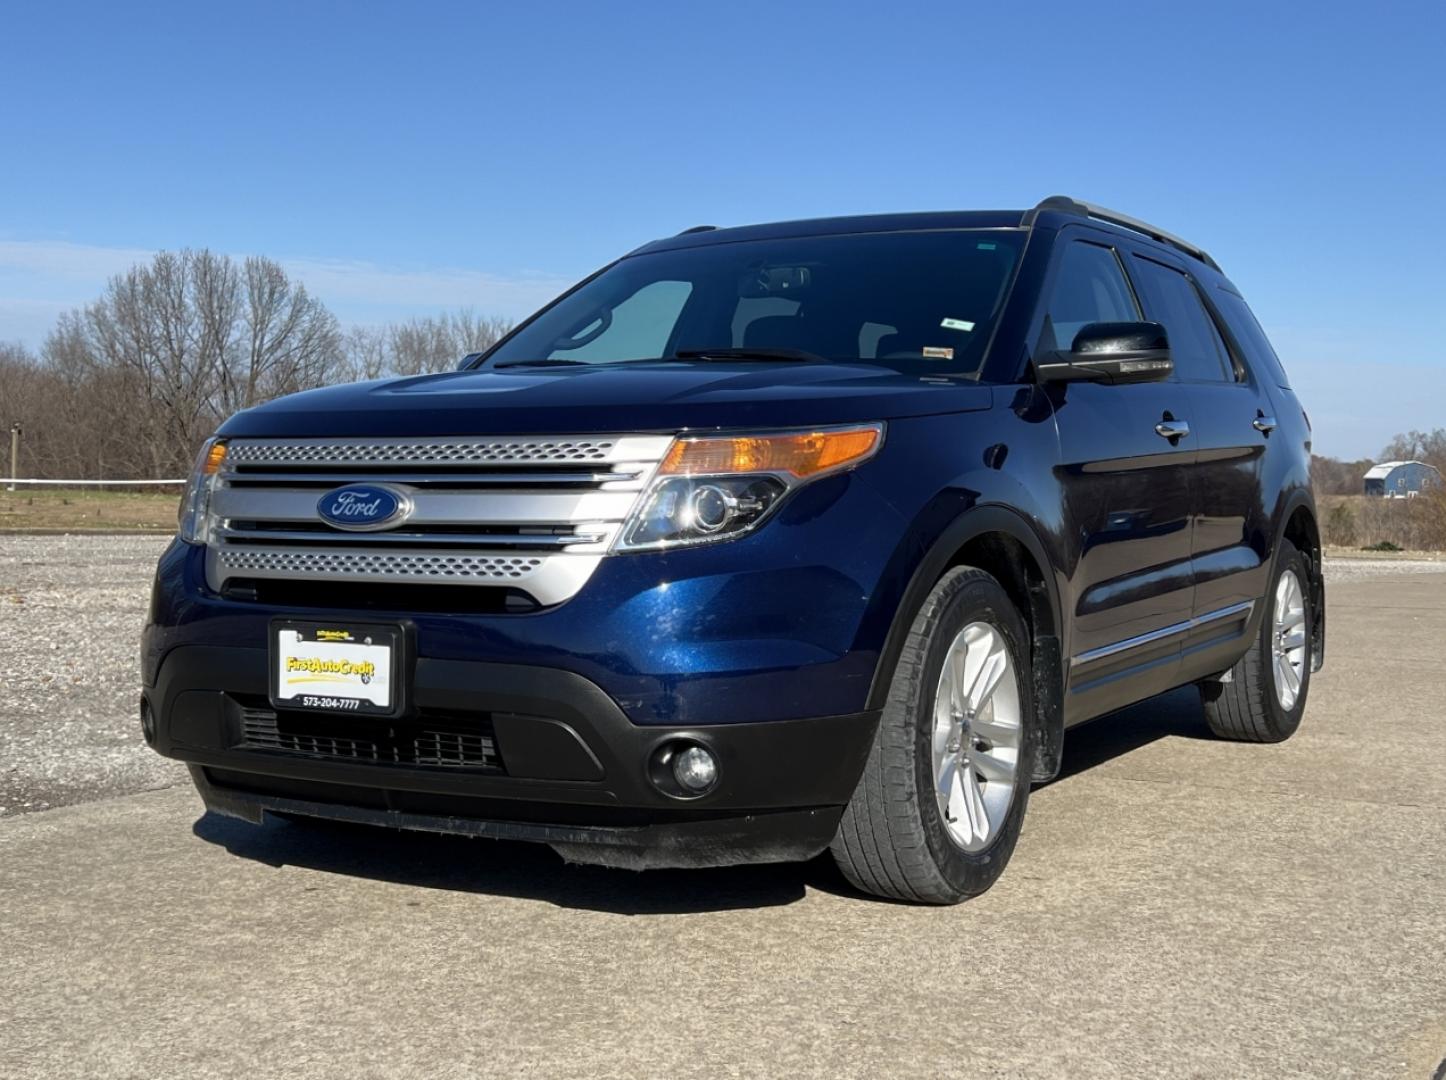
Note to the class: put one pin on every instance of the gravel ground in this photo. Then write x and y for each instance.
(71, 611)
(1339, 571)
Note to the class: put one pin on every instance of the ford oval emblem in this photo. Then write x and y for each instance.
(365, 507)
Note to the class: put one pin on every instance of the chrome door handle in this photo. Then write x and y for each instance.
(1263, 424)
(1172, 429)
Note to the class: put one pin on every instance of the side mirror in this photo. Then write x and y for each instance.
(1120, 352)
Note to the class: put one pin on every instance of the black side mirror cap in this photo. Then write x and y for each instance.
(1116, 352)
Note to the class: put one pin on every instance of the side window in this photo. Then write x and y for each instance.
(1089, 287)
(1170, 298)
(1246, 328)
(635, 329)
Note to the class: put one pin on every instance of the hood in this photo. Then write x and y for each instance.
(624, 397)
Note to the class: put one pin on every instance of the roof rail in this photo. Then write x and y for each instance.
(698, 228)
(1066, 205)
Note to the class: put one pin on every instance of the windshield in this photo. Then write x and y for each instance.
(918, 302)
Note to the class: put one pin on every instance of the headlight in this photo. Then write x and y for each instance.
(718, 487)
(193, 523)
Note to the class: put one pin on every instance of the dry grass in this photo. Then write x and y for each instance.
(75, 510)
(1362, 521)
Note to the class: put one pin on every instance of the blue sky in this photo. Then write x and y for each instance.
(407, 157)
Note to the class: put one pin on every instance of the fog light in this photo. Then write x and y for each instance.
(695, 770)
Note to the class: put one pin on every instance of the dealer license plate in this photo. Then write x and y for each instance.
(334, 668)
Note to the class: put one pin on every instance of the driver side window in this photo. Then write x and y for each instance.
(1089, 287)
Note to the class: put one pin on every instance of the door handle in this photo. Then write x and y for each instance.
(1263, 424)
(1172, 429)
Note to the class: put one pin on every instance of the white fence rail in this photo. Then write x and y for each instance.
(93, 483)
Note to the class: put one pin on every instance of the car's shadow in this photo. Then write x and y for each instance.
(533, 871)
(1176, 713)
(508, 868)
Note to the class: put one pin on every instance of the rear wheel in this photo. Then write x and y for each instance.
(1262, 698)
(939, 806)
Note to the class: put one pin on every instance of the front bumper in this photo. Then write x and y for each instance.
(568, 767)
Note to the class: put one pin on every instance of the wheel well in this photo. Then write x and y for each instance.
(1302, 531)
(1011, 563)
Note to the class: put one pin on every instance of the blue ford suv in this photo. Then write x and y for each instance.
(759, 542)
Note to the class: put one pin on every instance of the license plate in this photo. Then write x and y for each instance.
(334, 667)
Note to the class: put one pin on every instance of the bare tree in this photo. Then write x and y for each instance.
(129, 386)
(288, 341)
(367, 353)
(1427, 446)
(185, 341)
(1330, 476)
(437, 343)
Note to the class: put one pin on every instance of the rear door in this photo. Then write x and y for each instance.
(1230, 414)
(1125, 480)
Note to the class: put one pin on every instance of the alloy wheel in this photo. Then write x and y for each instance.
(1288, 640)
(976, 736)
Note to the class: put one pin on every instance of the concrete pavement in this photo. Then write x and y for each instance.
(1177, 906)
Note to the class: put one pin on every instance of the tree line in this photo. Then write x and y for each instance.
(1382, 524)
(129, 386)
(1331, 476)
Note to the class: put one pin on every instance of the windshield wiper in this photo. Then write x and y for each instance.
(538, 363)
(792, 356)
(752, 353)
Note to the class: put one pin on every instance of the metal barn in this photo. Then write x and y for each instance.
(1401, 479)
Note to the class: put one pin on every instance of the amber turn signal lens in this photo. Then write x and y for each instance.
(801, 453)
(214, 457)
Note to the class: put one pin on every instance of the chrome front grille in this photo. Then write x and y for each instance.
(443, 451)
(536, 514)
(393, 567)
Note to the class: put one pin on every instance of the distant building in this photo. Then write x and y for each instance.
(1402, 479)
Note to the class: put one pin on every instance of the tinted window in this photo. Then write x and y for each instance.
(637, 326)
(919, 302)
(1246, 328)
(1089, 287)
(1195, 346)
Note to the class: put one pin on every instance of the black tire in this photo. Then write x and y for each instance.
(892, 840)
(1244, 705)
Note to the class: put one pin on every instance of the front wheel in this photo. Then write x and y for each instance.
(939, 807)
(1262, 698)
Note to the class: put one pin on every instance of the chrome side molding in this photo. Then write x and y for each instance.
(1243, 608)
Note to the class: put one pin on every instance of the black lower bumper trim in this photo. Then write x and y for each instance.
(564, 765)
(775, 836)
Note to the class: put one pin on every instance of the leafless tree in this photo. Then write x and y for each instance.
(129, 386)
(288, 341)
(367, 353)
(185, 341)
(437, 343)
(1331, 476)
(1427, 446)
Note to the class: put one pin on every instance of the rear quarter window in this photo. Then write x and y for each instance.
(1258, 351)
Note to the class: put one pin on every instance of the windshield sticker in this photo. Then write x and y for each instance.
(985, 247)
(957, 324)
(938, 352)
